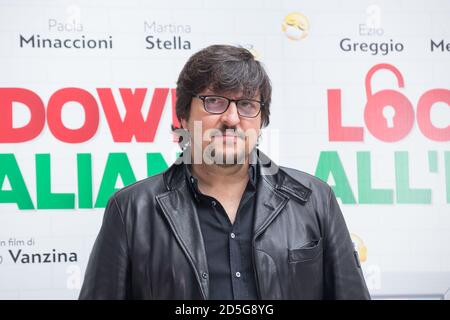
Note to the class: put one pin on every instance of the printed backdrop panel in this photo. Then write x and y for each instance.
(360, 99)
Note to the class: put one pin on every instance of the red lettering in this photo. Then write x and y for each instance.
(336, 132)
(55, 105)
(175, 122)
(33, 128)
(133, 123)
(424, 105)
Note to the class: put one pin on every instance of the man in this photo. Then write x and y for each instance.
(224, 221)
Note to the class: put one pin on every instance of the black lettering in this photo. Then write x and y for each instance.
(22, 40)
(149, 39)
(46, 258)
(73, 257)
(37, 256)
(57, 43)
(347, 47)
(63, 255)
(158, 43)
(434, 45)
(167, 44)
(15, 258)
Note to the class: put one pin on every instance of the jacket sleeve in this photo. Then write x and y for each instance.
(342, 270)
(107, 272)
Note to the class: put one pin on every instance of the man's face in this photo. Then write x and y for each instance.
(223, 139)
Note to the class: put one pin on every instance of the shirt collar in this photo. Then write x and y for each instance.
(193, 181)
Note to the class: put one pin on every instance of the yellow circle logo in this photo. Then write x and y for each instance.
(360, 247)
(295, 26)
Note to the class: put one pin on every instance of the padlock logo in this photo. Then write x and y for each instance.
(388, 114)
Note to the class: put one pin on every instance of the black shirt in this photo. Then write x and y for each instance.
(228, 246)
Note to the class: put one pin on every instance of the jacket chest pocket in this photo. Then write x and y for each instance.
(305, 269)
(309, 252)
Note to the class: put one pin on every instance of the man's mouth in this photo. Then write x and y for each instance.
(226, 137)
(229, 135)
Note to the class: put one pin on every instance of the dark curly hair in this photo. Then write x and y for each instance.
(223, 68)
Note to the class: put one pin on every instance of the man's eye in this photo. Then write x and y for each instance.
(245, 104)
(212, 100)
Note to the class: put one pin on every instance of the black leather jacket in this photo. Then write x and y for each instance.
(150, 244)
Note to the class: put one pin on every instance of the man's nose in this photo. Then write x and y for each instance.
(231, 116)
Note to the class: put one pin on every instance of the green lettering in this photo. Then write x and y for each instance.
(155, 164)
(330, 163)
(404, 193)
(366, 194)
(447, 173)
(84, 167)
(116, 165)
(19, 192)
(45, 198)
(432, 161)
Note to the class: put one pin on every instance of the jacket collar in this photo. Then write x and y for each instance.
(192, 181)
(264, 167)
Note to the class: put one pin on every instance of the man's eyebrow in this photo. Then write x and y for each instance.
(227, 96)
(224, 94)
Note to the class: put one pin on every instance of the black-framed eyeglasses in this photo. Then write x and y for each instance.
(247, 108)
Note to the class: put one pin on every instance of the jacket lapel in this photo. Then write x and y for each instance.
(181, 214)
(269, 202)
(274, 190)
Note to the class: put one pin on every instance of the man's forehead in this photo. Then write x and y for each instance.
(233, 94)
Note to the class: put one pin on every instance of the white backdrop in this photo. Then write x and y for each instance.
(391, 172)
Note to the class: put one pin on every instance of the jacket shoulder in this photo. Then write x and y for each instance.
(145, 188)
(317, 186)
